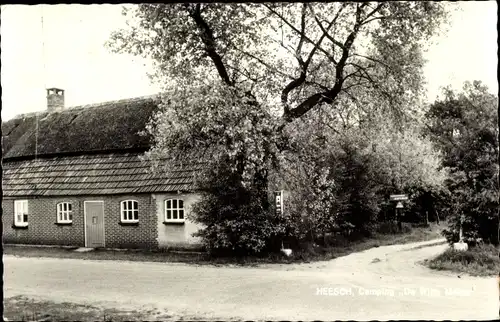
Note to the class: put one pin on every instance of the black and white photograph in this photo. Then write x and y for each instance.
(250, 161)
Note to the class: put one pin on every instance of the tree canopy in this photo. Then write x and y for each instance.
(464, 126)
(290, 56)
(249, 82)
(341, 169)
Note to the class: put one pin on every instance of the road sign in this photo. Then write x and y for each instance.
(399, 197)
(399, 205)
(278, 195)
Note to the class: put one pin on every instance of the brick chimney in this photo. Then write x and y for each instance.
(55, 99)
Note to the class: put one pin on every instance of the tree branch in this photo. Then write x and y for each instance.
(345, 88)
(298, 52)
(244, 72)
(327, 54)
(323, 87)
(329, 96)
(262, 62)
(325, 32)
(377, 8)
(292, 85)
(305, 65)
(207, 37)
(372, 59)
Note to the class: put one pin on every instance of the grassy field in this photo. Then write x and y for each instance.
(482, 260)
(338, 247)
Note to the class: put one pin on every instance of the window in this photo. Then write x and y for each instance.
(174, 210)
(21, 213)
(130, 211)
(64, 213)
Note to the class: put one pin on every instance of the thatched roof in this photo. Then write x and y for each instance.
(94, 149)
(97, 128)
(93, 175)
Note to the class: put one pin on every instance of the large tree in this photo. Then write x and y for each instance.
(293, 56)
(464, 126)
(237, 75)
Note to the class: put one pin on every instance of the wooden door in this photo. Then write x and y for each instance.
(94, 224)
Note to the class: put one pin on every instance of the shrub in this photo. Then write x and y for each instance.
(237, 219)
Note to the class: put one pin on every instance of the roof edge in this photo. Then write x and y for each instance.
(86, 106)
(74, 154)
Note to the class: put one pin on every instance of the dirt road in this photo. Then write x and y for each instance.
(378, 284)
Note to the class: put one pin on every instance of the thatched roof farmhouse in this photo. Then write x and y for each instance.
(75, 176)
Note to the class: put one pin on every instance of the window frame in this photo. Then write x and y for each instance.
(124, 209)
(68, 212)
(172, 220)
(22, 223)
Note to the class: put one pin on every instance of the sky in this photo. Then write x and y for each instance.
(62, 46)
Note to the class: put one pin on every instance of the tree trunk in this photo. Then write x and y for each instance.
(437, 216)
(426, 218)
(261, 182)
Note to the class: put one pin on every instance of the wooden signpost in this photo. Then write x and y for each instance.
(399, 206)
(461, 245)
(278, 199)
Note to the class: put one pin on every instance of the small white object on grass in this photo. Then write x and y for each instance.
(286, 251)
(460, 246)
(83, 249)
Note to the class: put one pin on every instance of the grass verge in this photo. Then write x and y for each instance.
(336, 248)
(481, 260)
(20, 308)
(105, 254)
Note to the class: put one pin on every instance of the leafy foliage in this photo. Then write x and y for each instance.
(465, 127)
(240, 78)
(301, 55)
(235, 140)
(236, 221)
(220, 121)
(341, 176)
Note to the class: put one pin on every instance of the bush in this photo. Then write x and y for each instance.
(236, 220)
(476, 228)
